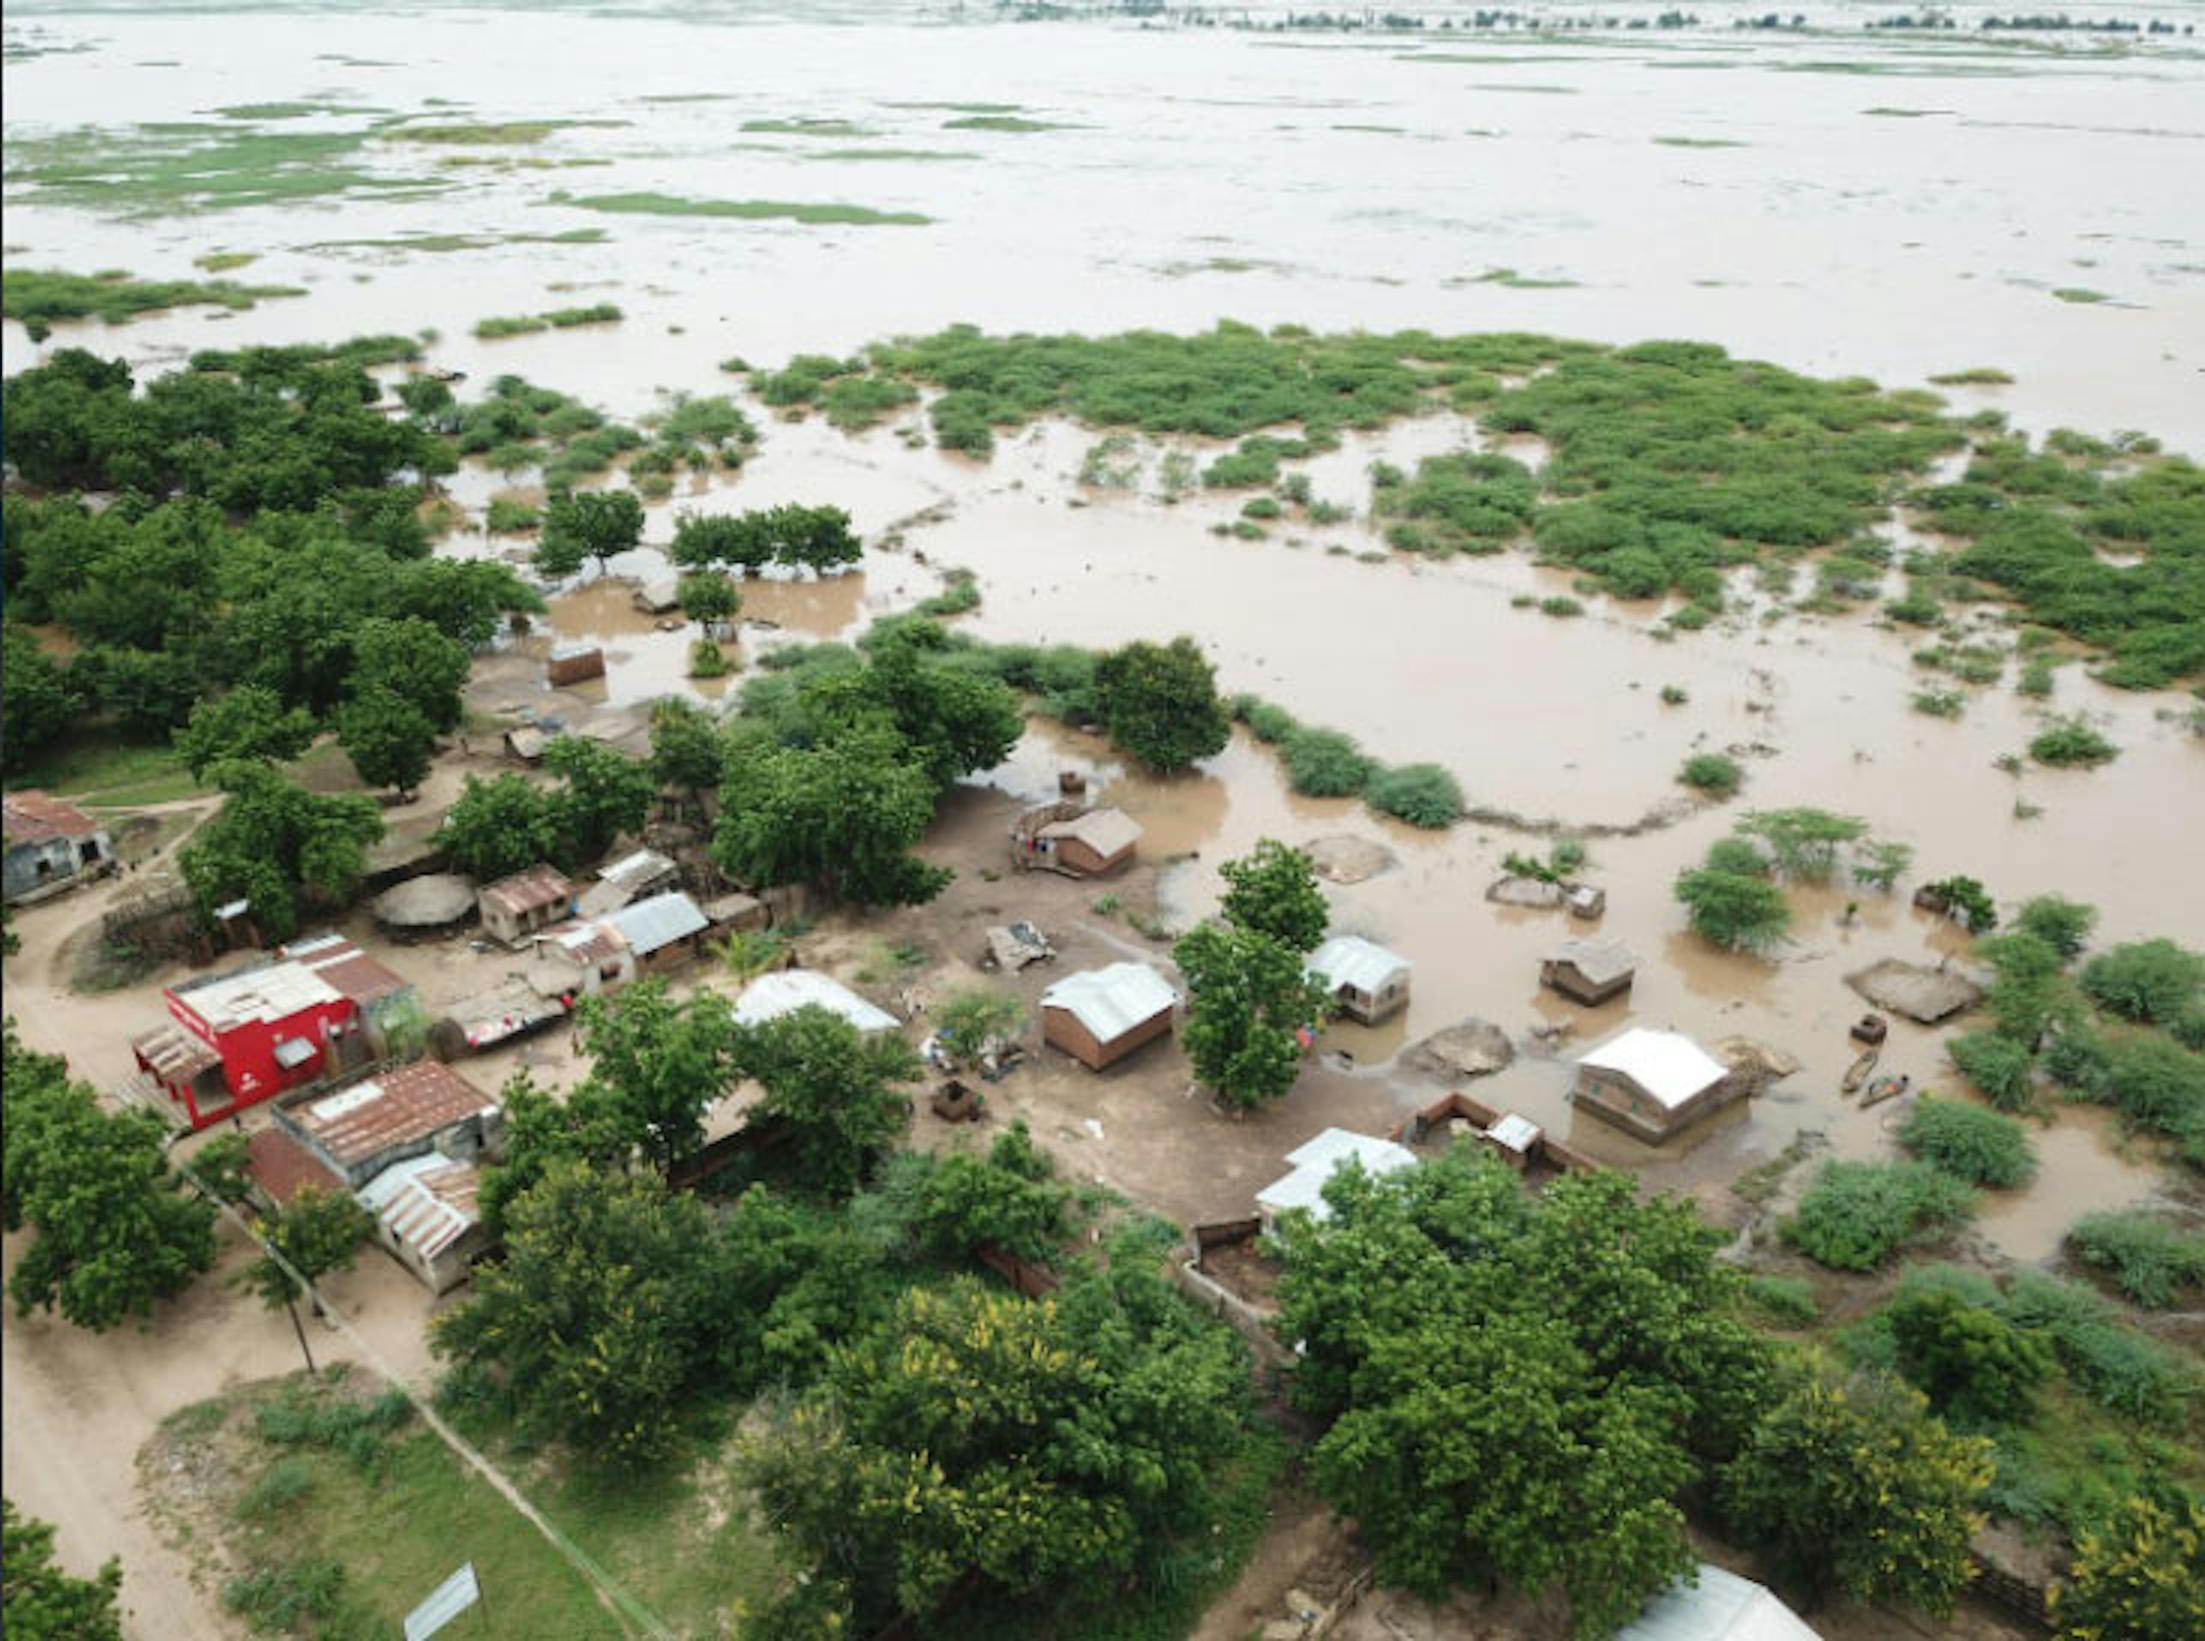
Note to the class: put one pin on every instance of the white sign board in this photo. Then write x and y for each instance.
(450, 1598)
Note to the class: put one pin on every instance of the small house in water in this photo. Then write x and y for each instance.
(51, 846)
(516, 907)
(1369, 982)
(627, 880)
(1316, 1162)
(426, 1216)
(1073, 839)
(1653, 1083)
(574, 664)
(361, 1129)
(1590, 971)
(237, 1039)
(1102, 1015)
(773, 996)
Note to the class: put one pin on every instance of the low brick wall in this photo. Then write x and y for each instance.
(1235, 1312)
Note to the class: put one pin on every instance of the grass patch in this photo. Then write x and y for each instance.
(1974, 376)
(1712, 773)
(813, 213)
(1971, 1144)
(101, 768)
(913, 154)
(807, 128)
(216, 262)
(2081, 294)
(508, 134)
(1001, 122)
(602, 313)
(1856, 1215)
(1421, 794)
(40, 296)
(2148, 1256)
(1700, 142)
(184, 168)
(1509, 279)
(2067, 743)
(1940, 703)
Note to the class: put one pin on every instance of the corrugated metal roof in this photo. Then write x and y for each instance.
(413, 1103)
(280, 1166)
(659, 921)
(271, 992)
(771, 996)
(1599, 961)
(583, 943)
(175, 1055)
(1516, 1131)
(1111, 1002)
(1319, 1159)
(1106, 831)
(529, 891)
(32, 816)
(1720, 1607)
(429, 1202)
(1350, 960)
(634, 871)
(344, 966)
(1667, 1064)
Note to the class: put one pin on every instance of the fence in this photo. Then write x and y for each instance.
(2017, 1595)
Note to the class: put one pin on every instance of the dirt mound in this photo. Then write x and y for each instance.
(1524, 891)
(1923, 994)
(1473, 1048)
(1345, 859)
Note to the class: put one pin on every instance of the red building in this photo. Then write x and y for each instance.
(237, 1039)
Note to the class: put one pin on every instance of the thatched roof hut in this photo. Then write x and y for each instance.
(427, 904)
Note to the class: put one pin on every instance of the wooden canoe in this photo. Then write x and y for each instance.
(1885, 1088)
(1857, 1072)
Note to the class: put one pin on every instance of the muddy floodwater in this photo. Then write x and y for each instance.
(1892, 205)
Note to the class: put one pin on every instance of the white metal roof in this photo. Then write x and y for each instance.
(660, 921)
(267, 995)
(1720, 1607)
(1111, 1002)
(1667, 1064)
(1516, 1131)
(771, 996)
(1350, 960)
(427, 1201)
(1320, 1159)
(633, 871)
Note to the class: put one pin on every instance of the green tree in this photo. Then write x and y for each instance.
(1859, 1491)
(844, 815)
(954, 721)
(604, 793)
(222, 1167)
(2151, 980)
(415, 662)
(316, 1233)
(587, 524)
(1011, 1199)
(40, 1602)
(246, 722)
(685, 746)
(2136, 1576)
(710, 598)
(972, 1019)
(2064, 925)
(1735, 910)
(2028, 996)
(1968, 1360)
(1160, 703)
(1248, 997)
(501, 826)
(1274, 892)
(1804, 842)
(837, 1089)
(275, 844)
(662, 1063)
(603, 1317)
(387, 739)
(111, 1234)
(37, 693)
(542, 1132)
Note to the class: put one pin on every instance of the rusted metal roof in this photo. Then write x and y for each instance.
(281, 1167)
(346, 968)
(413, 1103)
(32, 816)
(175, 1055)
(428, 1202)
(583, 943)
(529, 891)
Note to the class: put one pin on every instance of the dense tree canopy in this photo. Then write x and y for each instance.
(1274, 892)
(588, 524)
(839, 1090)
(1249, 996)
(660, 1064)
(955, 721)
(247, 722)
(843, 815)
(501, 826)
(278, 846)
(1160, 703)
(685, 745)
(112, 1234)
(40, 1602)
(818, 538)
(316, 1233)
(603, 793)
(387, 739)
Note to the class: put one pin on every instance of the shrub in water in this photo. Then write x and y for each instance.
(1856, 1215)
(1421, 794)
(2002, 1068)
(1324, 763)
(2146, 980)
(1969, 1143)
(2150, 1258)
(1712, 773)
(2066, 742)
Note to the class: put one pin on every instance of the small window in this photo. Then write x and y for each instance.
(610, 971)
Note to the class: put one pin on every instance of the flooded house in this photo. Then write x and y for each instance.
(1589, 971)
(573, 663)
(1653, 1084)
(517, 907)
(775, 996)
(1369, 982)
(631, 878)
(1101, 1015)
(1314, 1163)
(234, 1040)
(52, 845)
(1074, 840)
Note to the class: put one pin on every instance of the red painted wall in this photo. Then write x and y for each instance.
(249, 1051)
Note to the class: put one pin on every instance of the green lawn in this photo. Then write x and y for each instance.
(102, 769)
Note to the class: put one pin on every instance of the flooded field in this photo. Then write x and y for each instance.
(751, 182)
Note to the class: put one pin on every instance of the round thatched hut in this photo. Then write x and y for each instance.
(424, 906)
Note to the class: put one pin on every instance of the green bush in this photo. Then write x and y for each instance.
(1712, 773)
(507, 516)
(1940, 703)
(1786, 1300)
(1969, 1143)
(1324, 763)
(1265, 721)
(1856, 1215)
(2149, 1257)
(1970, 1362)
(2002, 1068)
(2068, 742)
(1736, 909)
(1421, 794)
(2152, 980)
(282, 1485)
(2062, 924)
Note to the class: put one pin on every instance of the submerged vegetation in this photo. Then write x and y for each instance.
(600, 313)
(817, 213)
(41, 296)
